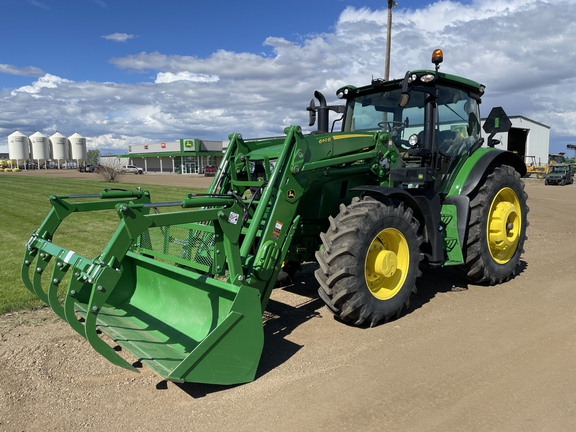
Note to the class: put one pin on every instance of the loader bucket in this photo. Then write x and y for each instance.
(184, 323)
(183, 326)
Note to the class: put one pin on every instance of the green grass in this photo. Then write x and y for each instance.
(24, 206)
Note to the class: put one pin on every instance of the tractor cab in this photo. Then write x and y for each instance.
(432, 118)
(435, 119)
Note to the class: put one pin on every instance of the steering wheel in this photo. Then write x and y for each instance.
(395, 127)
(392, 126)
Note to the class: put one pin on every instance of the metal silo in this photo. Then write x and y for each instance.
(40, 147)
(18, 148)
(60, 147)
(78, 147)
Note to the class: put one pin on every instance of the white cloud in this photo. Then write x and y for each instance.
(45, 82)
(522, 50)
(119, 37)
(168, 77)
(21, 71)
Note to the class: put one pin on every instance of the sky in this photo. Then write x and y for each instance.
(122, 72)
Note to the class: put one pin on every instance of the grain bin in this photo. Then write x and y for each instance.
(78, 146)
(60, 147)
(40, 146)
(18, 147)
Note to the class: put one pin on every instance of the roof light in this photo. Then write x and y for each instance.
(427, 78)
(437, 58)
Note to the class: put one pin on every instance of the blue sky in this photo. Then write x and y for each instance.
(76, 39)
(124, 72)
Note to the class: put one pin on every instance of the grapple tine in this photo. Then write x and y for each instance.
(58, 272)
(42, 261)
(99, 345)
(100, 286)
(74, 288)
(77, 286)
(29, 257)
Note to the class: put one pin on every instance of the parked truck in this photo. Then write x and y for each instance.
(406, 181)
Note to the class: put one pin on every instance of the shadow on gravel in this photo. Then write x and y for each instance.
(443, 280)
(280, 319)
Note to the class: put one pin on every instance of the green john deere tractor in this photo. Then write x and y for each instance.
(405, 183)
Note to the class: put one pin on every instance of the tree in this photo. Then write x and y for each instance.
(93, 157)
(110, 169)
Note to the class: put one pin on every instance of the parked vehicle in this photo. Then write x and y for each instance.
(560, 174)
(29, 165)
(532, 167)
(209, 170)
(89, 168)
(49, 165)
(68, 165)
(132, 169)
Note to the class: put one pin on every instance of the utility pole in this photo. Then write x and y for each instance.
(391, 4)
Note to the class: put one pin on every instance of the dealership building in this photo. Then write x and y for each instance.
(186, 156)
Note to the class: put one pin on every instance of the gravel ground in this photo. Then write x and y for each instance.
(466, 358)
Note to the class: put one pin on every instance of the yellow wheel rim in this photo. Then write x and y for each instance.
(504, 225)
(387, 263)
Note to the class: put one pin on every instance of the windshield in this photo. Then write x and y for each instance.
(559, 169)
(457, 124)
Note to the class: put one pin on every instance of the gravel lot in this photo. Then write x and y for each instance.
(466, 358)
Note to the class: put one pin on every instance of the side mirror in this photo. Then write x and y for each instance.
(497, 121)
(311, 113)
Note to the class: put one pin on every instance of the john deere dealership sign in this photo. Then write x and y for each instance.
(189, 145)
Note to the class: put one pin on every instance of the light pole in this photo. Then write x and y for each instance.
(391, 4)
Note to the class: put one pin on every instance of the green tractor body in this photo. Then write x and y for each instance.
(405, 183)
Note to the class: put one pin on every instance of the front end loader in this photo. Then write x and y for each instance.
(406, 182)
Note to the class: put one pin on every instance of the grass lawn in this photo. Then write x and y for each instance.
(24, 207)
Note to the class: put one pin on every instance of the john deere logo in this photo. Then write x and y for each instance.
(189, 144)
(291, 194)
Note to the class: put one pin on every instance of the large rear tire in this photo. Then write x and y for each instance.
(497, 229)
(369, 261)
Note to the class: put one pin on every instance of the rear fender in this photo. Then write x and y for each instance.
(476, 166)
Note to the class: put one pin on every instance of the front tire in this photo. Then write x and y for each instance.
(369, 261)
(497, 229)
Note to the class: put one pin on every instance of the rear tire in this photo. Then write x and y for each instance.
(497, 229)
(369, 261)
